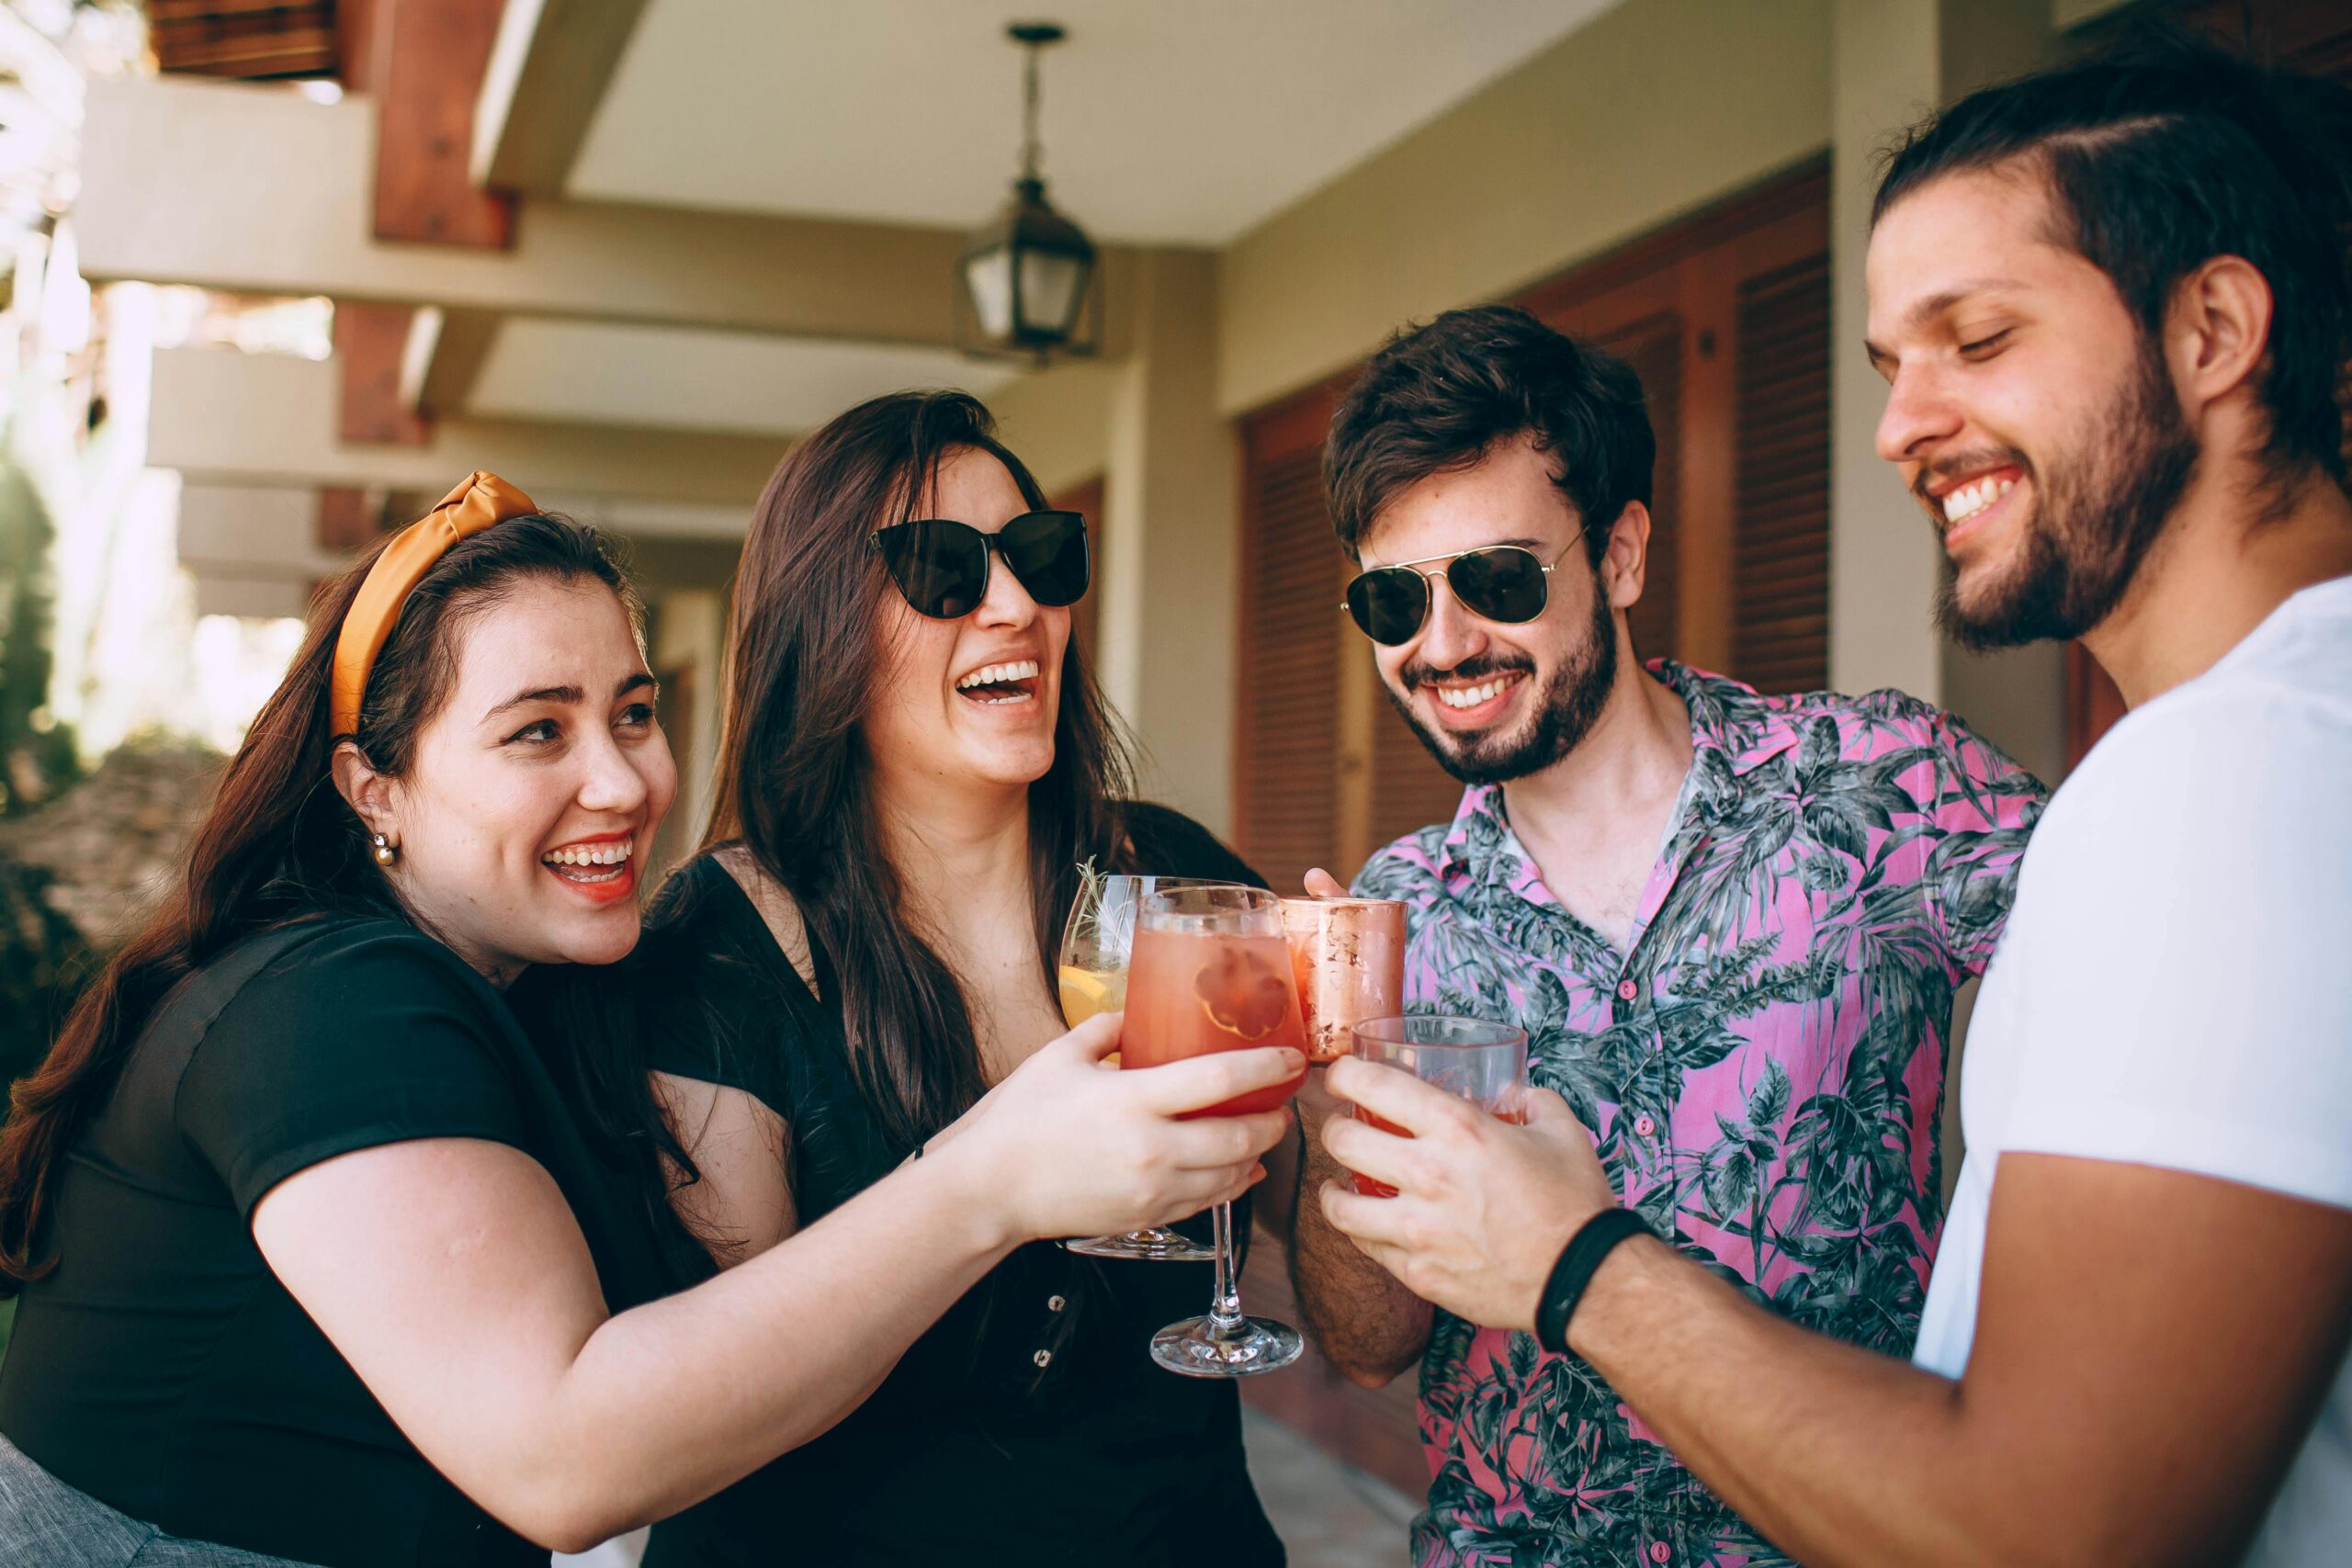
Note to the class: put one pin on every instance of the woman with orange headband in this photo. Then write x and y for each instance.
(318, 1261)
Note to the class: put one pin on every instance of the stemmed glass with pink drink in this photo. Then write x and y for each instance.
(1212, 971)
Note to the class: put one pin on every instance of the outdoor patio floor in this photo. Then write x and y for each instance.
(1328, 1515)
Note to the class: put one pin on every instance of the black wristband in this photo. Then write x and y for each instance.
(1574, 1272)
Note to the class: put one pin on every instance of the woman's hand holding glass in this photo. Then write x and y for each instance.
(1066, 1145)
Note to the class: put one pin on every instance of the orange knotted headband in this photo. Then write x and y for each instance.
(480, 500)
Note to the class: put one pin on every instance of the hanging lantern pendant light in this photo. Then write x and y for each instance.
(1026, 272)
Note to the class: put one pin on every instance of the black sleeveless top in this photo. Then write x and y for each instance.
(1029, 1426)
(160, 1368)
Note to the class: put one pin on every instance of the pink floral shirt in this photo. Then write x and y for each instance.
(1763, 1066)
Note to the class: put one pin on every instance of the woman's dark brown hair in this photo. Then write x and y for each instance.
(277, 843)
(793, 778)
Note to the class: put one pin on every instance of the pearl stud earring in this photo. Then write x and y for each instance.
(385, 851)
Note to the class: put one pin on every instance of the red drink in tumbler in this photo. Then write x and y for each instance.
(1483, 1062)
(1190, 993)
(1371, 1189)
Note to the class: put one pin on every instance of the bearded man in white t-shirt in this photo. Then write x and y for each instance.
(2111, 304)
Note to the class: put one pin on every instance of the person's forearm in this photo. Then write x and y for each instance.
(1366, 1324)
(769, 1354)
(1838, 1455)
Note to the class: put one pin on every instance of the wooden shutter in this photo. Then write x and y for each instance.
(1653, 348)
(1780, 603)
(1293, 575)
(1086, 616)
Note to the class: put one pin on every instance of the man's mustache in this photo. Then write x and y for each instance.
(1416, 674)
(1967, 463)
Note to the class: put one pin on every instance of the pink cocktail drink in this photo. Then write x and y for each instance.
(1190, 993)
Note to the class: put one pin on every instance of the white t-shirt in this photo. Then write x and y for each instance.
(2175, 985)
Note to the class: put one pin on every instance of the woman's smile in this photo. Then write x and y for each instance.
(600, 868)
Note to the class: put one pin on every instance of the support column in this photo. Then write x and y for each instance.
(689, 645)
(1168, 625)
(1892, 62)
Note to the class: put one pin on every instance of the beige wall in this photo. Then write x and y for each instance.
(1058, 421)
(1652, 111)
(1169, 609)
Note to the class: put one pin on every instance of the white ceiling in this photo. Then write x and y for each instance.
(601, 374)
(1184, 121)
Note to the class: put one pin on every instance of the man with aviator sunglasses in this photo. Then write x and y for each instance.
(1732, 925)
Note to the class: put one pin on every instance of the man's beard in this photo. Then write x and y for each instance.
(1571, 702)
(2095, 513)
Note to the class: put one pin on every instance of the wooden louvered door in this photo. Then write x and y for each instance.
(1286, 701)
(1779, 630)
(1725, 318)
(1653, 346)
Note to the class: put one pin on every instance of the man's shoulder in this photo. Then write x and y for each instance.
(2260, 739)
(1871, 722)
(1405, 867)
(1886, 725)
(1747, 719)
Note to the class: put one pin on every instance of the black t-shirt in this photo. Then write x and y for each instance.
(161, 1367)
(1029, 1426)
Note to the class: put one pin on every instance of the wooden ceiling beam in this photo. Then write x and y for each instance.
(551, 68)
(428, 80)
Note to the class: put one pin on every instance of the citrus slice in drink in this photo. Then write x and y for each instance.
(1242, 994)
(1086, 992)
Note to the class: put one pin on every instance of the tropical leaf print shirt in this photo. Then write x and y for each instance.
(1763, 1069)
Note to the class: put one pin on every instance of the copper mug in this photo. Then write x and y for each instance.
(1348, 957)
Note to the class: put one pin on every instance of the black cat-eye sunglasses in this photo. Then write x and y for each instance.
(942, 566)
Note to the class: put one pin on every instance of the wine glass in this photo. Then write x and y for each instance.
(1483, 1062)
(1096, 945)
(1211, 971)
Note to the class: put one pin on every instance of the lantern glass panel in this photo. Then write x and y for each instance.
(989, 276)
(1051, 283)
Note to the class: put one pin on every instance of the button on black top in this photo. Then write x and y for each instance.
(1005, 1435)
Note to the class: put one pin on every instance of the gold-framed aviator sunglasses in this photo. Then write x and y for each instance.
(1497, 583)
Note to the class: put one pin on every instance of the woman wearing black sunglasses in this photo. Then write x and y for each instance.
(913, 766)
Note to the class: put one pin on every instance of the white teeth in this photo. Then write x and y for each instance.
(1471, 697)
(992, 675)
(1969, 500)
(610, 854)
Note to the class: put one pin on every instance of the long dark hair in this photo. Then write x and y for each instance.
(277, 842)
(793, 777)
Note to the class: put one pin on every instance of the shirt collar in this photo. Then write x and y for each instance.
(1733, 732)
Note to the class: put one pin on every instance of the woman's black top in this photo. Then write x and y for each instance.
(161, 1367)
(1029, 1426)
